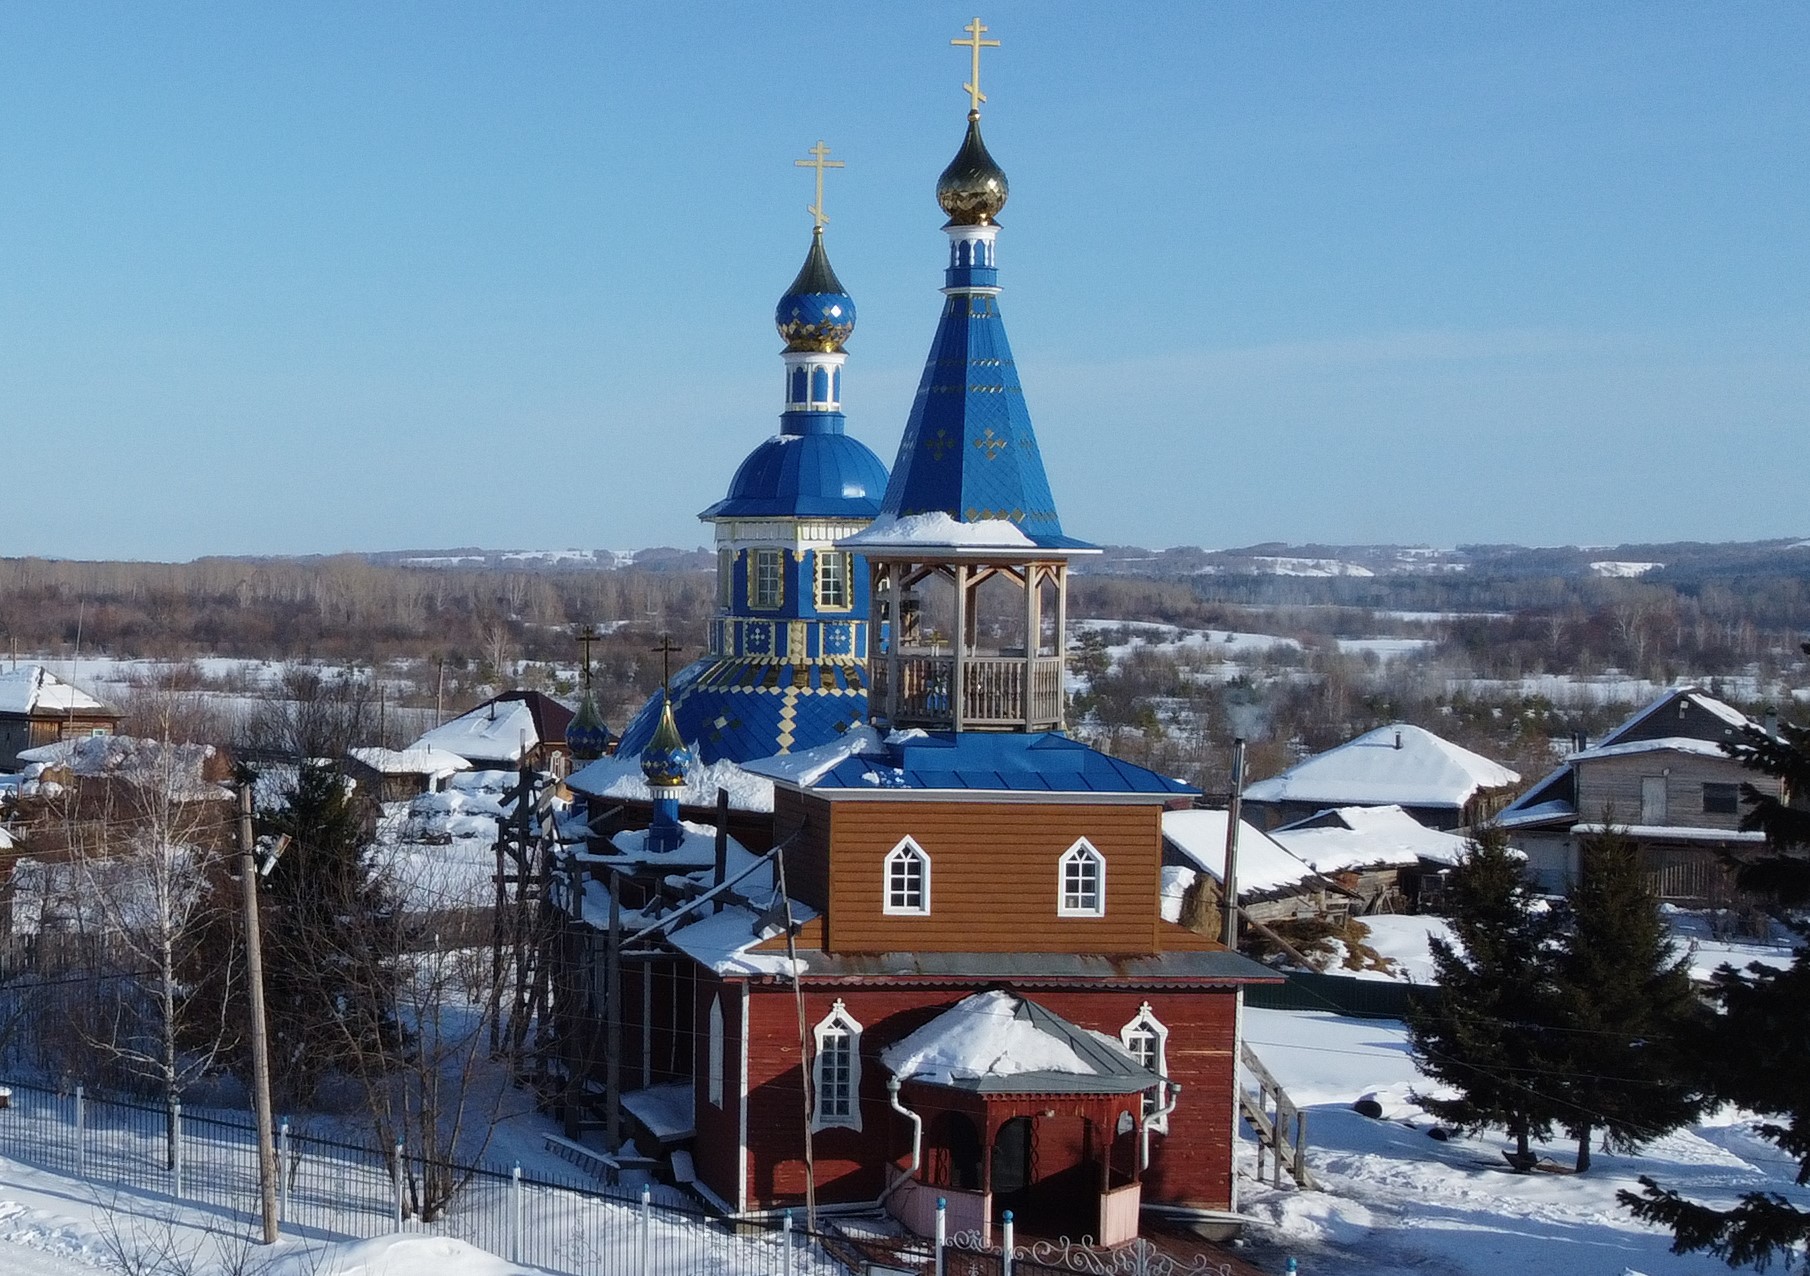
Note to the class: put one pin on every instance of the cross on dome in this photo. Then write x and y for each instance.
(975, 30)
(819, 160)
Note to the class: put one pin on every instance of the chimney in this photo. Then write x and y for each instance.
(1579, 742)
(1398, 737)
(1772, 721)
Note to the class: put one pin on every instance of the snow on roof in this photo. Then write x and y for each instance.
(724, 942)
(1263, 864)
(6, 840)
(33, 689)
(1708, 703)
(996, 1034)
(620, 776)
(178, 769)
(1399, 764)
(1666, 744)
(807, 766)
(420, 760)
(1546, 812)
(494, 732)
(938, 529)
(666, 1110)
(1672, 833)
(1358, 836)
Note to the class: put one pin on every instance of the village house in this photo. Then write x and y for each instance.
(498, 733)
(1662, 778)
(1438, 783)
(950, 977)
(396, 775)
(38, 708)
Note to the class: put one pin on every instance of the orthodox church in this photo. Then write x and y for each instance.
(946, 974)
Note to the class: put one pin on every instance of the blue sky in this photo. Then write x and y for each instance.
(320, 277)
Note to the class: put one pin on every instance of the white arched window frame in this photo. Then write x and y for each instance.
(1081, 882)
(1146, 1039)
(714, 1070)
(905, 880)
(836, 1071)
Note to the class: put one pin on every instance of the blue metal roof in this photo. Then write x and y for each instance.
(812, 470)
(739, 709)
(988, 762)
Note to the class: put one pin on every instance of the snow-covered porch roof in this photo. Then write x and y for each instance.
(997, 1042)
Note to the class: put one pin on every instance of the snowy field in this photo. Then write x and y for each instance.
(1395, 1200)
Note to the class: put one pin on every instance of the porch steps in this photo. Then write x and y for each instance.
(1281, 1127)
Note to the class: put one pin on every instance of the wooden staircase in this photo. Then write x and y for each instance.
(1281, 1127)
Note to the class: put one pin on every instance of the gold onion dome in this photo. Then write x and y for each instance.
(973, 188)
(665, 760)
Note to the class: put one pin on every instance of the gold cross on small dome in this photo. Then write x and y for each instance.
(819, 160)
(975, 31)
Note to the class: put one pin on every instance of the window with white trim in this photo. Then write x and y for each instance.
(715, 1064)
(832, 578)
(1146, 1039)
(768, 586)
(836, 1071)
(907, 880)
(1081, 882)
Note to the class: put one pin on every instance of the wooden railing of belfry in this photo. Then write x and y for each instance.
(993, 691)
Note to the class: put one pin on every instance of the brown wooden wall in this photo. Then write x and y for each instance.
(1191, 1164)
(1609, 788)
(806, 822)
(993, 876)
(716, 1152)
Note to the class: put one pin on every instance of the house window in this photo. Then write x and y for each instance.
(1146, 1039)
(715, 1069)
(769, 582)
(832, 578)
(836, 1071)
(1721, 799)
(1081, 882)
(907, 873)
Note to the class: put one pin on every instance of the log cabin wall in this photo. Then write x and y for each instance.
(1609, 789)
(717, 1149)
(994, 876)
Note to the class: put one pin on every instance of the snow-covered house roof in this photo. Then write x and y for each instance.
(621, 777)
(996, 1042)
(33, 691)
(1264, 865)
(1399, 765)
(179, 769)
(419, 760)
(1349, 837)
(502, 728)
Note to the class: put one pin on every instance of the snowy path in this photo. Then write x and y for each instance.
(23, 1260)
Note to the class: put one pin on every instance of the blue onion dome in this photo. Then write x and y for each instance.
(587, 738)
(816, 313)
(665, 760)
(973, 188)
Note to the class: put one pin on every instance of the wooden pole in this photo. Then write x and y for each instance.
(612, 1050)
(1234, 812)
(260, 1033)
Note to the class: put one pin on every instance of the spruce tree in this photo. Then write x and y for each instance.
(1482, 1030)
(1752, 1054)
(1624, 1005)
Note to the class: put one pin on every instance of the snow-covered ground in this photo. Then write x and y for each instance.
(1393, 1199)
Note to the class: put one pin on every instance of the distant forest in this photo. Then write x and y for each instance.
(464, 630)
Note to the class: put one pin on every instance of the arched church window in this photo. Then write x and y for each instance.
(820, 385)
(1081, 882)
(1146, 1039)
(715, 1061)
(907, 873)
(836, 1071)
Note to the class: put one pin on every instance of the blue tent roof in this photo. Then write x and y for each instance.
(991, 763)
(739, 709)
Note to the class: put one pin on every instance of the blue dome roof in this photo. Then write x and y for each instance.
(739, 708)
(816, 312)
(587, 737)
(813, 470)
(665, 760)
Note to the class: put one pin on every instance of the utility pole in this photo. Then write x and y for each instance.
(1234, 812)
(260, 1031)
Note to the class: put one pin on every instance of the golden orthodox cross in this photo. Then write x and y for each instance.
(819, 160)
(667, 649)
(975, 30)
